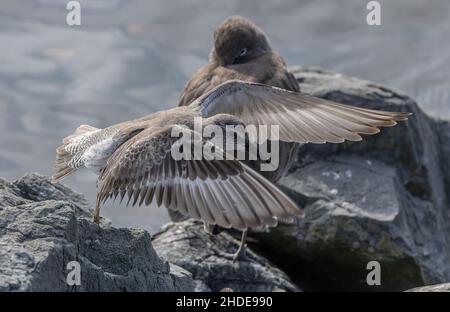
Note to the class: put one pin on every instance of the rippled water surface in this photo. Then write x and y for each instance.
(130, 58)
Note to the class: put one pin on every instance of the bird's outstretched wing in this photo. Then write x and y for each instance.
(301, 118)
(223, 192)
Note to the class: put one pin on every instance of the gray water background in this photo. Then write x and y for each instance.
(132, 57)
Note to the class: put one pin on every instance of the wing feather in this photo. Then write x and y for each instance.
(301, 118)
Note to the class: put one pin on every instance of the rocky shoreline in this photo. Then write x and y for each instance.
(385, 199)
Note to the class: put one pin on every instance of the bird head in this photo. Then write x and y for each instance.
(238, 40)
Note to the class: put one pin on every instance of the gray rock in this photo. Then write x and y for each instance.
(383, 199)
(187, 245)
(443, 129)
(45, 226)
(432, 288)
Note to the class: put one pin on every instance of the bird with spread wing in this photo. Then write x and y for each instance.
(134, 160)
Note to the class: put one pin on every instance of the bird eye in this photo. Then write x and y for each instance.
(242, 53)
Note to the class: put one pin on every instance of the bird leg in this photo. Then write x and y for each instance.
(97, 211)
(241, 253)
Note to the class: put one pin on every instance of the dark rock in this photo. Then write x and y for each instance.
(382, 199)
(432, 288)
(443, 129)
(44, 226)
(187, 245)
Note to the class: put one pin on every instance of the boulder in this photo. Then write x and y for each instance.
(207, 257)
(383, 199)
(45, 227)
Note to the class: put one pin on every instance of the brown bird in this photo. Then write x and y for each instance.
(135, 159)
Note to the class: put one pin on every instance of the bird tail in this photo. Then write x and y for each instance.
(64, 164)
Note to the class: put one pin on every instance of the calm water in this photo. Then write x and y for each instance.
(130, 58)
